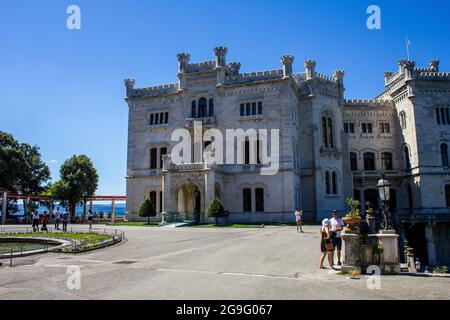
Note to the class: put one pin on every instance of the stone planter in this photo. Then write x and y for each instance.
(370, 212)
(352, 222)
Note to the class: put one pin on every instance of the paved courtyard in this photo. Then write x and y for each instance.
(195, 263)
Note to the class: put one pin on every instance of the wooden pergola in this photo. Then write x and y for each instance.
(28, 198)
(4, 204)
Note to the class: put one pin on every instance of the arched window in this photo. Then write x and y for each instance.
(447, 195)
(153, 158)
(327, 182)
(324, 132)
(259, 198)
(403, 122)
(247, 200)
(211, 107)
(162, 152)
(386, 161)
(202, 108)
(330, 133)
(410, 199)
(369, 161)
(334, 182)
(194, 110)
(353, 161)
(444, 154)
(153, 198)
(407, 159)
(327, 131)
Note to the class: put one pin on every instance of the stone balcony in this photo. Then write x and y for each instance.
(373, 174)
(206, 121)
(200, 166)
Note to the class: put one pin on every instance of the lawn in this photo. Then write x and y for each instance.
(87, 238)
(135, 224)
(226, 225)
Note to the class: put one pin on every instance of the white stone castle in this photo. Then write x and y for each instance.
(331, 148)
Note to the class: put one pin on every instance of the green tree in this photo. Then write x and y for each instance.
(147, 210)
(22, 170)
(215, 209)
(79, 181)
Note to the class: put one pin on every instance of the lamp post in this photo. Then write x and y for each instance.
(383, 187)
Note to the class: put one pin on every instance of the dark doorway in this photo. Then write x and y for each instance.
(416, 239)
(197, 206)
(371, 195)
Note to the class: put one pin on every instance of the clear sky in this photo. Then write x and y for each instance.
(63, 89)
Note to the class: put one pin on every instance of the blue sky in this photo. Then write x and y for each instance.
(63, 89)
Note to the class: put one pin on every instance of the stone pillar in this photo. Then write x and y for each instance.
(113, 211)
(167, 201)
(387, 76)
(431, 247)
(183, 63)
(221, 56)
(210, 182)
(4, 206)
(351, 252)
(338, 75)
(129, 85)
(390, 262)
(434, 65)
(310, 69)
(221, 62)
(407, 67)
(287, 61)
(235, 67)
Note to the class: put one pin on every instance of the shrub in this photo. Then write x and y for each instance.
(215, 209)
(147, 209)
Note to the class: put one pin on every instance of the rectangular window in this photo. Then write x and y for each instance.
(353, 161)
(242, 109)
(152, 119)
(167, 118)
(254, 108)
(259, 197)
(260, 107)
(247, 152)
(384, 128)
(346, 127)
(247, 200)
(160, 201)
(156, 118)
(438, 116)
(153, 198)
(153, 158)
(163, 151)
(366, 127)
(248, 109)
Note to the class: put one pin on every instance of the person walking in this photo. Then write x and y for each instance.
(90, 218)
(337, 225)
(298, 220)
(65, 220)
(45, 219)
(36, 219)
(57, 218)
(326, 245)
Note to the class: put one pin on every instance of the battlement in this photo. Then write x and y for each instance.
(261, 75)
(367, 102)
(325, 78)
(155, 90)
(433, 76)
(204, 66)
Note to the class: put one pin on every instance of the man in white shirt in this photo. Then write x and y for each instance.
(337, 225)
(298, 220)
(57, 214)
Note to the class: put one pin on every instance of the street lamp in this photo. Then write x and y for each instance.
(384, 192)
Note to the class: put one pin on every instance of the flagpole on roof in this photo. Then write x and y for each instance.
(408, 43)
